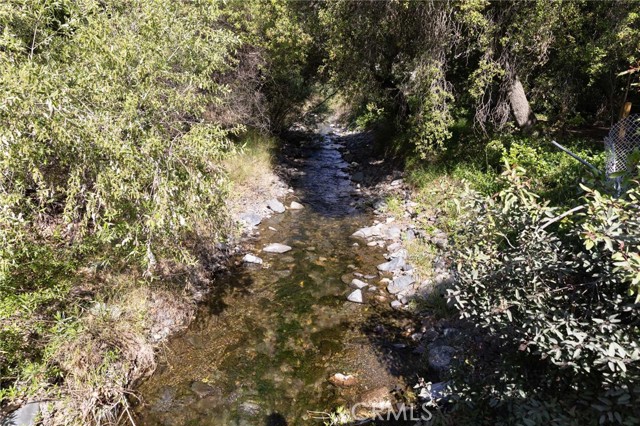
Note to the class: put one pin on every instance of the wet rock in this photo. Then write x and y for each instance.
(400, 283)
(343, 381)
(393, 264)
(23, 416)
(276, 206)
(251, 219)
(249, 408)
(276, 248)
(355, 296)
(378, 400)
(250, 258)
(358, 284)
(202, 389)
(440, 357)
(357, 177)
(296, 206)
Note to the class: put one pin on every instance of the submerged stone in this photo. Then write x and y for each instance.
(276, 248)
(296, 206)
(250, 258)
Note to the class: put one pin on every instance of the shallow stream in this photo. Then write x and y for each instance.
(262, 354)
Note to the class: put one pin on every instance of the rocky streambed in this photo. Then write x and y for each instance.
(312, 317)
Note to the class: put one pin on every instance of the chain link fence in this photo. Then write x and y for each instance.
(622, 141)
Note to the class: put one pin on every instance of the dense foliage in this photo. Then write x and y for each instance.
(556, 294)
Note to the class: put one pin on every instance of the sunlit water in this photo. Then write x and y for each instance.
(261, 351)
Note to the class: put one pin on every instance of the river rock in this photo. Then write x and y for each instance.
(392, 265)
(396, 304)
(400, 283)
(23, 416)
(251, 219)
(355, 296)
(368, 232)
(276, 206)
(276, 248)
(378, 400)
(249, 408)
(296, 206)
(343, 381)
(250, 258)
(202, 389)
(357, 177)
(440, 357)
(393, 233)
(358, 284)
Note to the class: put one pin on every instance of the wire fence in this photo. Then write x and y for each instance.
(622, 141)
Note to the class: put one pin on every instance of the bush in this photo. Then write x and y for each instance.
(556, 293)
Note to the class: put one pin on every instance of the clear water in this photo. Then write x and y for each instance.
(261, 350)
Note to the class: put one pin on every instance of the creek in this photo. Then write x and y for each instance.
(262, 353)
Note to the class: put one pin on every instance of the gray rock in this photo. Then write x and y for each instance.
(251, 219)
(396, 304)
(358, 284)
(202, 389)
(355, 296)
(276, 248)
(440, 357)
(393, 233)
(357, 177)
(296, 206)
(398, 253)
(391, 248)
(409, 235)
(396, 182)
(23, 416)
(393, 264)
(250, 258)
(276, 206)
(368, 232)
(249, 408)
(379, 400)
(400, 283)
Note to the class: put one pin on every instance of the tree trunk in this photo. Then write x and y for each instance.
(520, 105)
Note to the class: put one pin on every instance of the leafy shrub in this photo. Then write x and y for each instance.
(556, 293)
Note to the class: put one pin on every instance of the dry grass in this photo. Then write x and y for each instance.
(250, 172)
(110, 352)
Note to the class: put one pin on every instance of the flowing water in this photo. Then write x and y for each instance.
(261, 353)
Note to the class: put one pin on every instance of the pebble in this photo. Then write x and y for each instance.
(355, 296)
(250, 258)
(296, 206)
(276, 248)
(358, 284)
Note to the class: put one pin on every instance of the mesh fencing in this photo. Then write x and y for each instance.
(623, 139)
